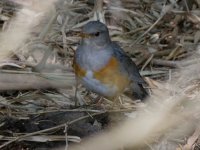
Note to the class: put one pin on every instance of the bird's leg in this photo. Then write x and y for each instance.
(79, 101)
(75, 94)
(120, 100)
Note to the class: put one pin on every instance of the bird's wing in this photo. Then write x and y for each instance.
(127, 65)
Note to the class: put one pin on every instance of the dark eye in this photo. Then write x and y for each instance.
(97, 33)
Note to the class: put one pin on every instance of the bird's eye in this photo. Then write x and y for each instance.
(97, 33)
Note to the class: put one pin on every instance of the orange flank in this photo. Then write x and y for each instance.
(110, 75)
(78, 70)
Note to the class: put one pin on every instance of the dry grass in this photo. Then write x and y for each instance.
(37, 48)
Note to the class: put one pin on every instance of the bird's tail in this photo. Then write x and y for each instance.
(139, 92)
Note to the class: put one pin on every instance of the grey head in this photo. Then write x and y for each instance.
(96, 34)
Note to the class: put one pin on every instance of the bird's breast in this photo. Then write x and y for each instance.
(111, 74)
(108, 80)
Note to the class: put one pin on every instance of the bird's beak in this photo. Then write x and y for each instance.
(82, 35)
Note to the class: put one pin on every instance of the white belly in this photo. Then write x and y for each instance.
(96, 86)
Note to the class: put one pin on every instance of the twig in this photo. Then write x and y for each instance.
(63, 32)
(66, 138)
(186, 5)
(164, 11)
(136, 30)
(82, 110)
(23, 81)
(126, 10)
(147, 31)
(162, 53)
(191, 140)
(166, 63)
(186, 63)
(98, 11)
(48, 50)
(40, 66)
(147, 62)
(44, 138)
(173, 53)
(47, 27)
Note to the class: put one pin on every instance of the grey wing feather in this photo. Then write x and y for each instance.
(127, 64)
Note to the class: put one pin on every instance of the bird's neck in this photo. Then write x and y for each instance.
(94, 45)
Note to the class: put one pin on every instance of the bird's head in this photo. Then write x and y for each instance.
(95, 33)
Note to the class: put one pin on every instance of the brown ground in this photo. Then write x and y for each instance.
(37, 82)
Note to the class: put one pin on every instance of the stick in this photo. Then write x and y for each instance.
(20, 81)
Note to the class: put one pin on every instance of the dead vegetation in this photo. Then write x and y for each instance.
(37, 82)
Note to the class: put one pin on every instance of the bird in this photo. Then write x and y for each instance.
(103, 67)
